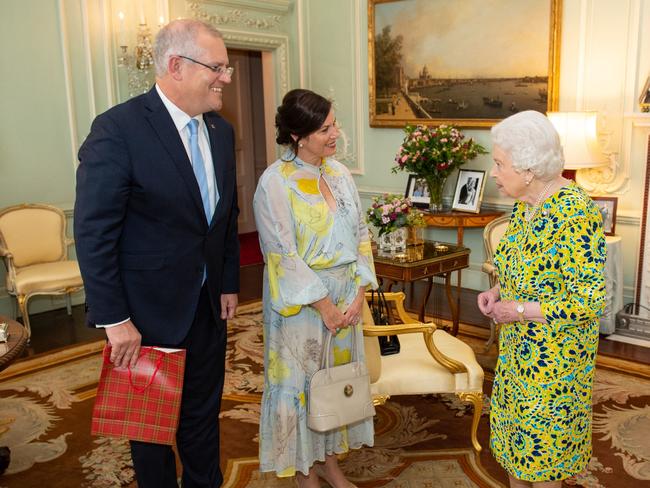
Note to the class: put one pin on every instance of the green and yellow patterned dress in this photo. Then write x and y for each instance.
(540, 415)
(310, 252)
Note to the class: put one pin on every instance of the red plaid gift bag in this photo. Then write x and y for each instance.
(141, 403)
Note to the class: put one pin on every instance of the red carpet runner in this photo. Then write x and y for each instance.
(249, 249)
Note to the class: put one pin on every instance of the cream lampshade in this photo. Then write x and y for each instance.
(579, 138)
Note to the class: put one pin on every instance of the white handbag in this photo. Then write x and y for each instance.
(339, 395)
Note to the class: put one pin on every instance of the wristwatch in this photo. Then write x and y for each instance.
(520, 311)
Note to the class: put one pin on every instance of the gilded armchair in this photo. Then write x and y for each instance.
(430, 361)
(492, 234)
(34, 247)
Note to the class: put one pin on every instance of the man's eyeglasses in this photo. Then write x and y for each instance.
(220, 69)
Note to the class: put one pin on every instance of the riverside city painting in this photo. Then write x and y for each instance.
(467, 62)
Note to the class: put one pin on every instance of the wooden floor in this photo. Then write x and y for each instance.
(56, 329)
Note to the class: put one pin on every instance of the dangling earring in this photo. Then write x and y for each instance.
(528, 182)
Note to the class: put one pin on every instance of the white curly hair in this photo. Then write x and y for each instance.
(533, 144)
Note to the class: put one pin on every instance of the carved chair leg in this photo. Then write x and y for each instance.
(22, 306)
(493, 334)
(476, 398)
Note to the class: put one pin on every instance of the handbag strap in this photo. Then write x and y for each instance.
(141, 389)
(325, 355)
(381, 308)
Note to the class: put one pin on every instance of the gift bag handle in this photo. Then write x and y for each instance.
(141, 389)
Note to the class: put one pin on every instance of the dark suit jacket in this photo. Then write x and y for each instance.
(142, 238)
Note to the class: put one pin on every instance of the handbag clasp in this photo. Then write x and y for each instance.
(348, 390)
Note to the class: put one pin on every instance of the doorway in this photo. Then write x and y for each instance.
(243, 107)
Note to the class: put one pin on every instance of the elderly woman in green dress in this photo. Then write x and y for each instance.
(551, 291)
(318, 265)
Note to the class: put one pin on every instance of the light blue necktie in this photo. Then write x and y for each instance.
(199, 168)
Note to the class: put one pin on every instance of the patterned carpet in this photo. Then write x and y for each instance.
(421, 441)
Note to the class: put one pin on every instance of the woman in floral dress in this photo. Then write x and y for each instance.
(551, 291)
(318, 265)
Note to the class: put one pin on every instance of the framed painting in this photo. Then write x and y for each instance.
(607, 206)
(469, 190)
(469, 63)
(418, 191)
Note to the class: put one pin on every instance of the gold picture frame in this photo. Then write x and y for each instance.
(644, 98)
(403, 89)
(608, 207)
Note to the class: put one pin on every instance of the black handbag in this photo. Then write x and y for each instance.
(379, 308)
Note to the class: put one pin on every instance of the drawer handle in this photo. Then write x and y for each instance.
(426, 270)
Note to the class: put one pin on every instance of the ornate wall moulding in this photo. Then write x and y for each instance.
(277, 44)
(221, 17)
(268, 6)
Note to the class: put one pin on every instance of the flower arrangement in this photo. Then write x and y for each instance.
(389, 212)
(434, 153)
(415, 218)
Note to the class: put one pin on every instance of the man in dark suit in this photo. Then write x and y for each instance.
(156, 235)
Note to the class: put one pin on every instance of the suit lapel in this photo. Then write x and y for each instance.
(163, 124)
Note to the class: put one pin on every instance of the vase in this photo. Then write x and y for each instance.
(398, 237)
(385, 244)
(392, 243)
(414, 236)
(436, 186)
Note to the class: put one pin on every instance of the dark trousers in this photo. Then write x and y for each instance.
(197, 438)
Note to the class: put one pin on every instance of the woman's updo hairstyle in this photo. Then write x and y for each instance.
(302, 112)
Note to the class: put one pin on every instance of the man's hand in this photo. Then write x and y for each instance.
(125, 344)
(228, 305)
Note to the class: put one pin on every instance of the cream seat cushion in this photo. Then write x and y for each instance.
(413, 371)
(47, 277)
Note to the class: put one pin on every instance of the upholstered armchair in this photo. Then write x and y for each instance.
(430, 361)
(492, 234)
(34, 247)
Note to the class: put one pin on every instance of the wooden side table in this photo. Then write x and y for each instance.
(460, 221)
(9, 352)
(15, 345)
(426, 264)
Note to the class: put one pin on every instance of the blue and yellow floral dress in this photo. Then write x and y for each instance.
(540, 415)
(310, 251)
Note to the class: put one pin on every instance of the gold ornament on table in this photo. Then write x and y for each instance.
(416, 225)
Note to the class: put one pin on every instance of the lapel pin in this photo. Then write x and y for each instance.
(212, 126)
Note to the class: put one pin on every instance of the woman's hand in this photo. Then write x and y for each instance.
(353, 313)
(332, 317)
(487, 299)
(505, 312)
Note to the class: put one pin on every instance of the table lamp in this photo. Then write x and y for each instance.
(579, 138)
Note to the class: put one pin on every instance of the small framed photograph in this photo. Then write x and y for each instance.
(607, 206)
(469, 190)
(418, 191)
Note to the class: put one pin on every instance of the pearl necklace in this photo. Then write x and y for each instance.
(530, 212)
